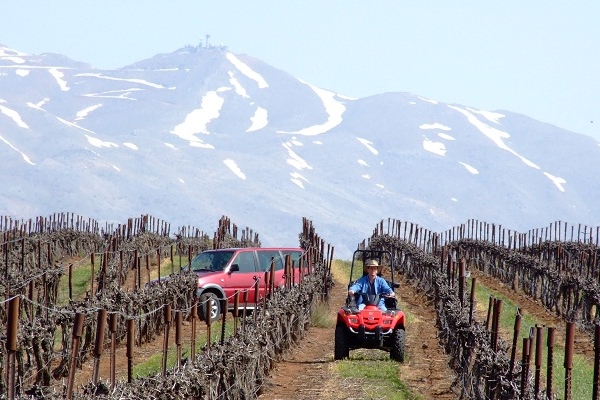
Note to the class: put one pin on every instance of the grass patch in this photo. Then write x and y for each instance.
(80, 283)
(582, 375)
(322, 316)
(341, 271)
(379, 377)
(153, 363)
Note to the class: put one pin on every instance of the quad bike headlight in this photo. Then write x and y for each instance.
(353, 320)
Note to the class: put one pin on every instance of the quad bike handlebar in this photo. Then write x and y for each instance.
(370, 300)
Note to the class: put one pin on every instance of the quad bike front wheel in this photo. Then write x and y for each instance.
(398, 345)
(341, 349)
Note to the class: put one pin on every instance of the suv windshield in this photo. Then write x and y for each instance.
(211, 260)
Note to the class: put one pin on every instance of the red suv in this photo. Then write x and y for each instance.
(223, 272)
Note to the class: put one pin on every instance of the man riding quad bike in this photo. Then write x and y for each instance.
(370, 318)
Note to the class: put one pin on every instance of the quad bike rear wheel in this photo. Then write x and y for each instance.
(341, 349)
(398, 345)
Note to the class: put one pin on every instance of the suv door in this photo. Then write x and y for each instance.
(264, 265)
(240, 275)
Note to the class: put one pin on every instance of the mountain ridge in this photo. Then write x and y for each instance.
(198, 133)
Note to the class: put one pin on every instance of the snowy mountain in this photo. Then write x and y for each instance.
(199, 133)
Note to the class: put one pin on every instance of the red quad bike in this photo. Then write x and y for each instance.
(370, 328)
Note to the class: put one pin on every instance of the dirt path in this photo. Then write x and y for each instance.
(308, 371)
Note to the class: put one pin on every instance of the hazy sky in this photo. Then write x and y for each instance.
(538, 58)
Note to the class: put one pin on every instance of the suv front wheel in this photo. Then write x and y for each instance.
(214, 307)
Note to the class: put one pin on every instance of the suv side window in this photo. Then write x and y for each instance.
(245, 261)
(294, 257)
(264, 259)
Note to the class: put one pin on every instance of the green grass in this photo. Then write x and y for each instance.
(80, 282)
(582, 372)
(378, 375)
(323, 316)
(153, 364)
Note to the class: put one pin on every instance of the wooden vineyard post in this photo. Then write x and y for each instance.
(516, 330)
(525, 362)
(120, 276)
(194, 317)
(11, 342)
(538, 357)
(178, 341)
(158, 265)
(245, 309)
(236, 305)
(172, 259)
(112, 322)
(147, 258)
(496, 323)
(461, 282)
(472, 300)
(138, 277)
(92, 273)
(271, 277)
(207, 306)
(569, 343)
(99, 343)
(224, 307)
(130, 338)
(489, 312)
(77, 331)
(550, 365)
(264, 298)
(167, 322)
(596, 361)
(70, 281)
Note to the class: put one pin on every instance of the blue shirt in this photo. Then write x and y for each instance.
(379, 286)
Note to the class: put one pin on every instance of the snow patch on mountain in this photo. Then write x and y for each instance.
(259, 120)
(131, 80)
(84, 113)
(23, 155)
(368, 145)
(496, 135)
(118, 94)
(435, 125)
(489, 115)
(232, 165)
(334, 109)
(559, 182)
(100, 143)
(12, 114)
(295, 160)
(197, 120)
(58, 76)
(246, 70)
(434, 147)
(469, 168)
